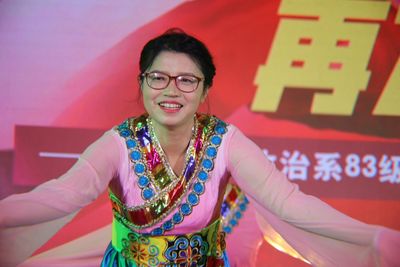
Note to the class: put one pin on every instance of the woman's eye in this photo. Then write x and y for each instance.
(157, 77)
(187, 79)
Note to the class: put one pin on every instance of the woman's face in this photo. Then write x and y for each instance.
(171, 107)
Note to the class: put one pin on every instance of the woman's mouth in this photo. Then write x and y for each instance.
(170, 106)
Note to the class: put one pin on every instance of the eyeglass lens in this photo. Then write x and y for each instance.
(185, 83)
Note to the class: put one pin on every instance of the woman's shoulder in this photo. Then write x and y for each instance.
(218, 126)
(130, 124)
(211, 121)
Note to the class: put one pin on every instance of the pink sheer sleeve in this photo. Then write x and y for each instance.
(28, 220)
(321, 234)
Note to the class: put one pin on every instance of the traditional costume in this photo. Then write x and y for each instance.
(167, 219)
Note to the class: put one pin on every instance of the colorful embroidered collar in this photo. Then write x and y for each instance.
(162, 190)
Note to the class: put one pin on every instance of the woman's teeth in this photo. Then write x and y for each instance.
(170, 105)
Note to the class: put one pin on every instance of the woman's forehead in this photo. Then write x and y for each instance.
(175, 62)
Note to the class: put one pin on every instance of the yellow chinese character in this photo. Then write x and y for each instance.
(323, 51)
(388, 103)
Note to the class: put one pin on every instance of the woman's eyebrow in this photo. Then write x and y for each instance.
(178, 74)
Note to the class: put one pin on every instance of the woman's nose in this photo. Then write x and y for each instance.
(172, 88)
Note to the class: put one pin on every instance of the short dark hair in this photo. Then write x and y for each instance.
(176, 40)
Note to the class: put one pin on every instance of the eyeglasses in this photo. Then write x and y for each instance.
(159, 80)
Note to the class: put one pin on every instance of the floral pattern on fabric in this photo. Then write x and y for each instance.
(204, 248)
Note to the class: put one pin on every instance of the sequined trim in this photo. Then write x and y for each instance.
(158, 207)
(165, 171)
(235, 203)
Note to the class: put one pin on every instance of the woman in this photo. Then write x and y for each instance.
(166, 172)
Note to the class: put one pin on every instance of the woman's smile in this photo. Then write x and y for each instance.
(170, 106)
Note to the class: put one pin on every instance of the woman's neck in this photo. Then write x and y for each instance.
(174, 140)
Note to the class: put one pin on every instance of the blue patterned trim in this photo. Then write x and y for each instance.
(231, 217)
(136, 157)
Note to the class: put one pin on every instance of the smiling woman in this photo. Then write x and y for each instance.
(166, 172)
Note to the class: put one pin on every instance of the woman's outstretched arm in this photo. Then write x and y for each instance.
(28, 220)
(323, 235)
(75, 189)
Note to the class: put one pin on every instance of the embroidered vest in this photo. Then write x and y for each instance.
(162, 191)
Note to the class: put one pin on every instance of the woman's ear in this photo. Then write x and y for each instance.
(204, 94)
(140, 80)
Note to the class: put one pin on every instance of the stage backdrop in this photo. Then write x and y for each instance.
(315, 83)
